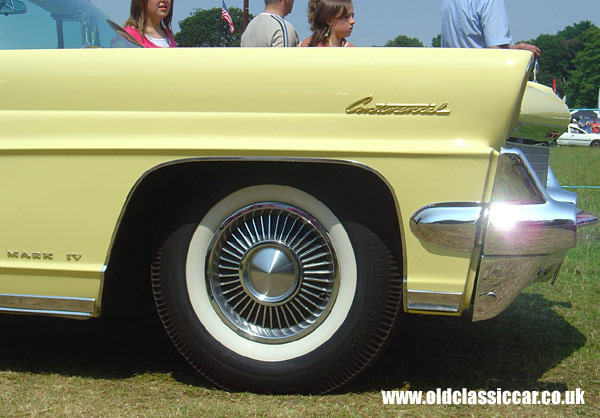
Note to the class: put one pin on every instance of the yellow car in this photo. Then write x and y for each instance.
(285, 207)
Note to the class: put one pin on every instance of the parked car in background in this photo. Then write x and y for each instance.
(283, 208)
(577, 136)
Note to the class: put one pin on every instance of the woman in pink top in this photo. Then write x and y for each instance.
(150, 23)
(331, 21)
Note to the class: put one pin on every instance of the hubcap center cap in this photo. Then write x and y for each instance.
(270, 273)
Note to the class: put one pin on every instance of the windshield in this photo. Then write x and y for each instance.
(51, 24)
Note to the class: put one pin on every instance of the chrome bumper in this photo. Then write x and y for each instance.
(523, 234)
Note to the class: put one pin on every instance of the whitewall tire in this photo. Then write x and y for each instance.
(270, 291)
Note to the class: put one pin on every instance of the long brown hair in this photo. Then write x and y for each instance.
(312, 8)
(319, 12)
(137, 16)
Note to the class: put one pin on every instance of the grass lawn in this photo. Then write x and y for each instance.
(549, 339)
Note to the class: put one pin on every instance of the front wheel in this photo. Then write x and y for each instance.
(269, 291)
(595, 143)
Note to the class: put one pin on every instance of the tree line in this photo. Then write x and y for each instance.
(571, 57)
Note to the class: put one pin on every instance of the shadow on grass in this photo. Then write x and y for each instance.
(510, 352)
(103, 348)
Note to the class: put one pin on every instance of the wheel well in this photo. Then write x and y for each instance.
(360, 196)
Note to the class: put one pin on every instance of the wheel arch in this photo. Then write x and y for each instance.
(368, 197)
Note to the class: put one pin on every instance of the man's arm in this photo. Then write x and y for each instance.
(527, 47)
(494, 19)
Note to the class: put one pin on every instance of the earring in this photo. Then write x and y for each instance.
(328, 31)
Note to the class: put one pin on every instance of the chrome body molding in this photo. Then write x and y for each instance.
(516, 181)
(523, 218)
(405, 292)
(523, 236)
(451, 225)
(526, 239)
(515, 230)
(68, 307)
(501, 279)
(422, 300)
(61, 314)
(558, 193)
(538, 157)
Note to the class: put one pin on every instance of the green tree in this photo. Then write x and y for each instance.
(576, 31)
(558, 53)
(436, 42)
(584, 82)
(554, 62)
(404, 41)
(206, 28)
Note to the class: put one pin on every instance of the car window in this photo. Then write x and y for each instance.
(575, 130)
(51, 24)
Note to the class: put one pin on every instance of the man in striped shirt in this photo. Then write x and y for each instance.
(269, 28)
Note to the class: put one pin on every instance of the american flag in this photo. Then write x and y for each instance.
(227, 17)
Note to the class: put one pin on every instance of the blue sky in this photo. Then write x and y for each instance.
(380, 20)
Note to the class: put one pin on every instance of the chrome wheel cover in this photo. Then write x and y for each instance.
(272, 272)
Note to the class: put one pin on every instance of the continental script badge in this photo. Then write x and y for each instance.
(361, 108)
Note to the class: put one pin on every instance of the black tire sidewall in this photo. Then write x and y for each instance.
(349, 350)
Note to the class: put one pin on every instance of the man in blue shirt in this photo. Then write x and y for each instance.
(478, 24)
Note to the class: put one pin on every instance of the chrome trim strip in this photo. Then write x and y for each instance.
(62, 314)
(558, 193)
(526, 227)
(530, 229)
(537, 155)
(451, 225)
(37, 270)
(516, 181)
(254, 159)
(98, 311)
(38, 303)
(423, 300)
(524, 241)
(405, 293)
